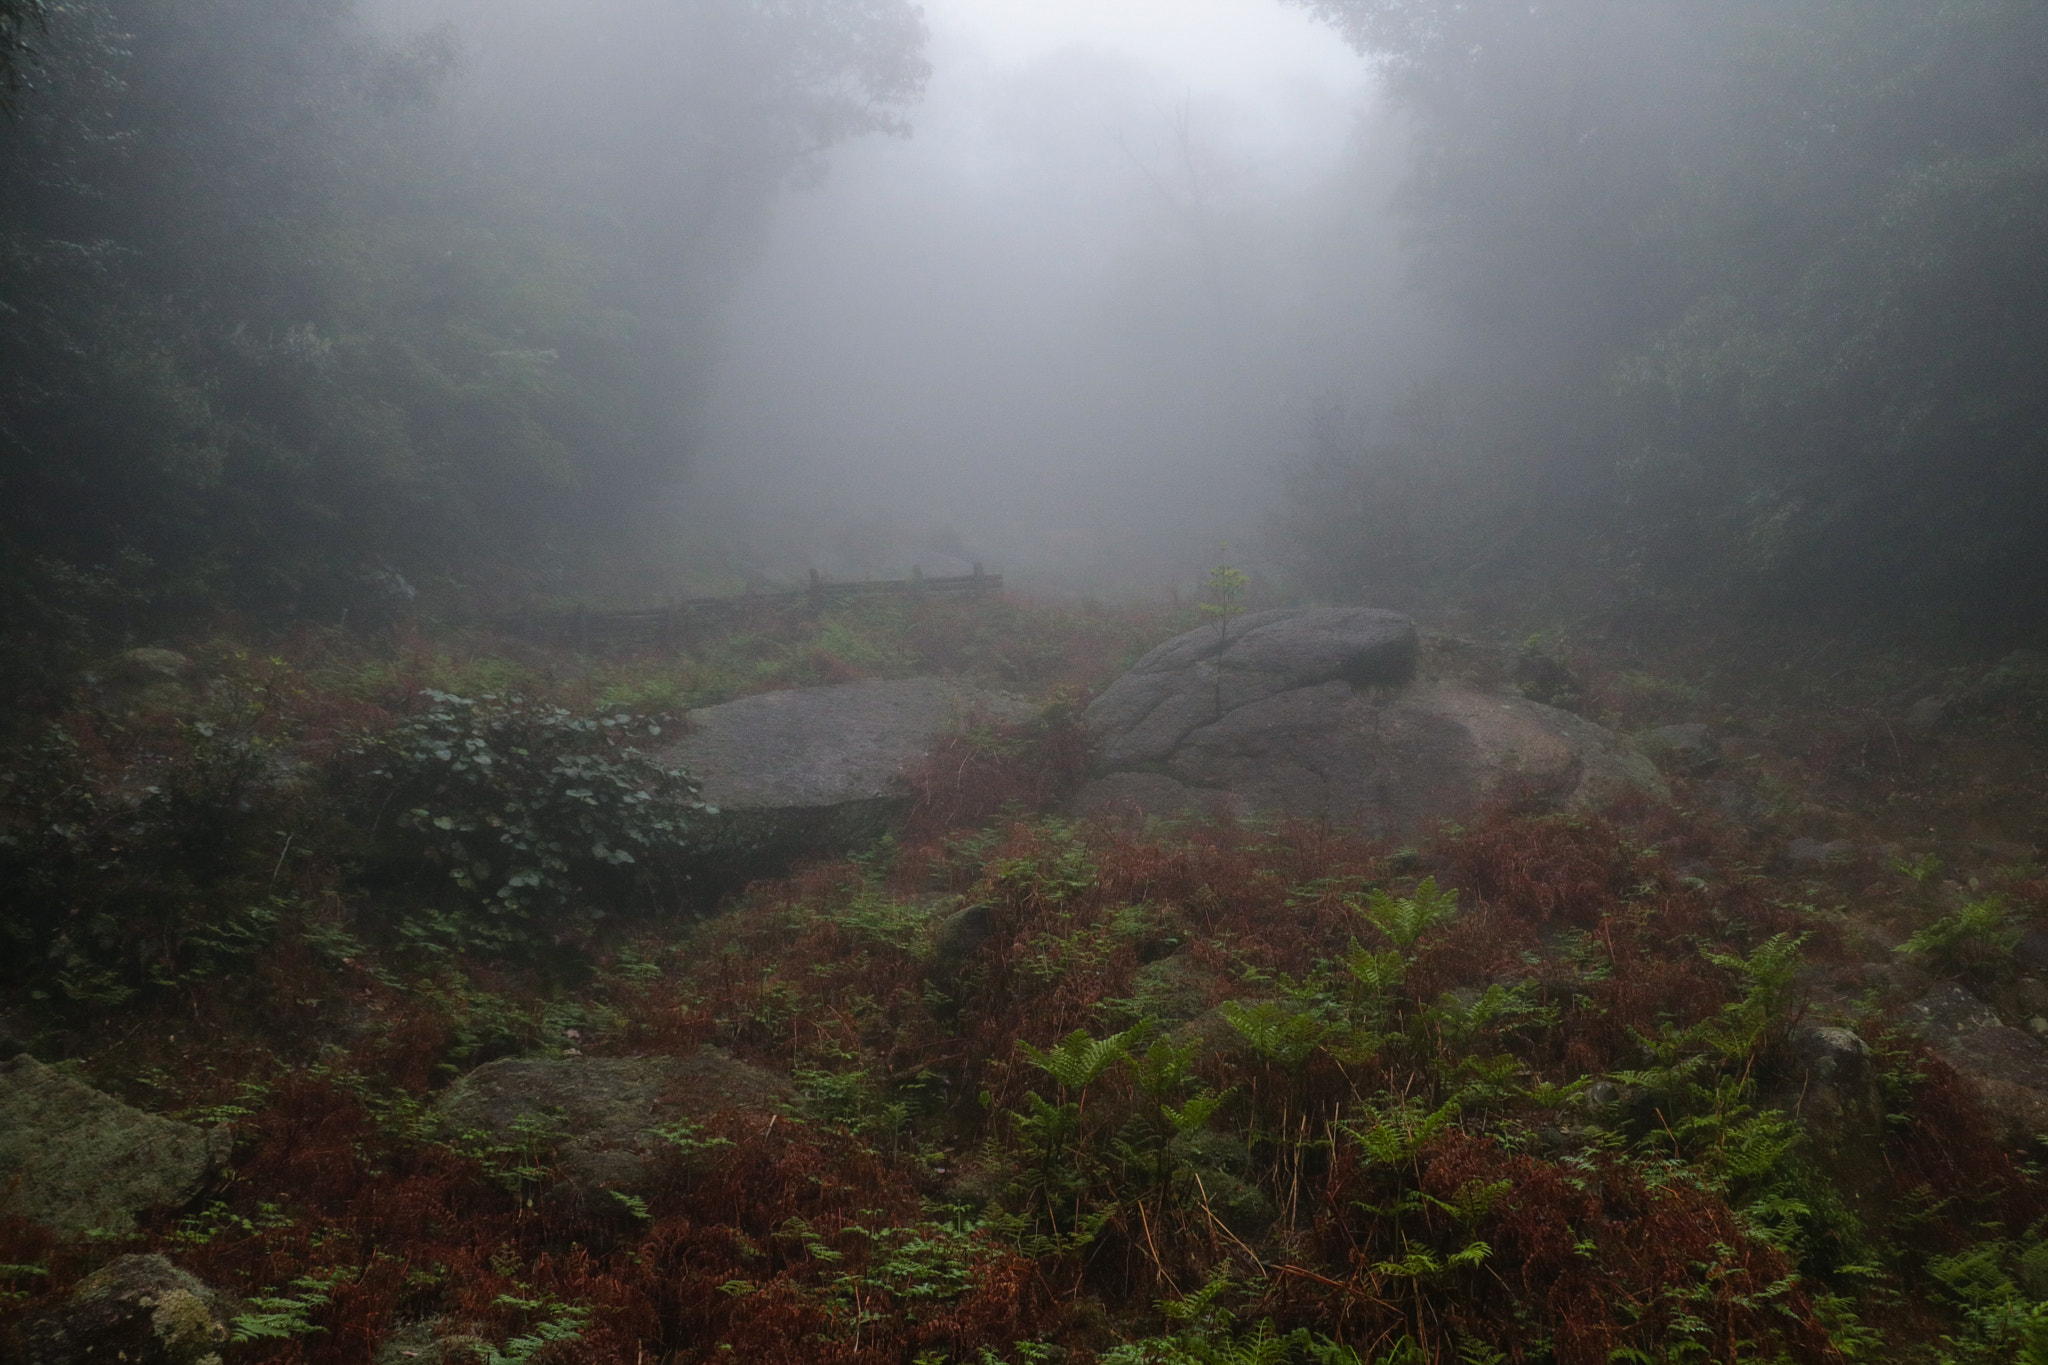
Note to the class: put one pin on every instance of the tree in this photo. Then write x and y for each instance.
(1748, 289)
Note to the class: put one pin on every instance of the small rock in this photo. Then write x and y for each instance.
(429, 1343)
(599, 1114)
(1814, 853)
(1688, 748)
(140, 1309)
(1738, 804)
(77, 1160)
(151, 666)
(1926, 715)
(955, 941)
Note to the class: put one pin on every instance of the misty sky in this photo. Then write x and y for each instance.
(1074, 322)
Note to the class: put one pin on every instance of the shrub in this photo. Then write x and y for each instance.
(1975, 939)
(137, 856)
(527, 812)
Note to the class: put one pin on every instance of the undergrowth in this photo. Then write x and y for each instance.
(1062, 1091)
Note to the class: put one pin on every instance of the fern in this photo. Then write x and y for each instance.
(1078, 1060)
(1404, 919)
(1275, 1030)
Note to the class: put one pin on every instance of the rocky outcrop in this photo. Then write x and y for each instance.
(77, 1160)
(823, 769)
(2006, 1067)
(599, 1120)
(140, 1309)
(1317, 714)
(1689, 748)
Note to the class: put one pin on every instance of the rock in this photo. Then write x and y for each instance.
(1737, 804)
(2006, 1067)
(140, 1309)
(2033, 948)
(1688, 748)
(822, 769)
(1454, 658)
(77, 1160)
(1814, 853)
(1136, 797)
(1197, 678)
(431, 1342)
(960, 934)
(146, 666)
(1926, 715)
(599, 1115)
(1837, 1088)
(1315, 714)
(2018, 682)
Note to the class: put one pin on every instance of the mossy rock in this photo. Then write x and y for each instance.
(140, 1309)
(79, 1161)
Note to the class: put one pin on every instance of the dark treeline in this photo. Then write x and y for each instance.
(1750, 298)
(283, 332)
(1745, 301)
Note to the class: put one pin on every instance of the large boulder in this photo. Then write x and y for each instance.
(78, 1160)
(824, 769)
(605, 1123)
(139, 1309)
(2007, 1068)
(1317, 713)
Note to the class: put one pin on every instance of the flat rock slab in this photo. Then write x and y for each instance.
(75, 1159)
(1315, 714)
(816, 747)
(2007, 1067)
(601, 1115)
(1194, 679)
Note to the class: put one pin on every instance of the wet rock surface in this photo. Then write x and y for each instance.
(140, 1309)
(1317, 714)
(1689, 748)
(824, 769)
(2007, 1067)
(77, 1160)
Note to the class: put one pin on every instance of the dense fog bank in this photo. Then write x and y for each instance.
(1072, 326)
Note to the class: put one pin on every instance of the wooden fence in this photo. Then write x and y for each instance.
(669, 626)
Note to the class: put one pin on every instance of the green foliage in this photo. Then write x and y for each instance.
(554, 1323)
(281, 1317)
(149, 866)
(1276, 1029)
(527, 810)
(2001, 1321)
(1744, 302)
(1209, 1335)
(1978, 938)
(280, 336)
(1078, 1060)
(1404, 919)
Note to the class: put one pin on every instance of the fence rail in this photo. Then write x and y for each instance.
(669, 626)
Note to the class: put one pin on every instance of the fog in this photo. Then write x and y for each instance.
(1387, 300)
(1066, 319)
(1070, 327)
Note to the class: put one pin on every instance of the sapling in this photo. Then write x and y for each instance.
(1223, 598)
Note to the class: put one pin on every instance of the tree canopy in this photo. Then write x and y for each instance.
(275, 337)
(1754, 284)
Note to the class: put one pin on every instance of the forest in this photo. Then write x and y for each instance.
(1358, 682)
